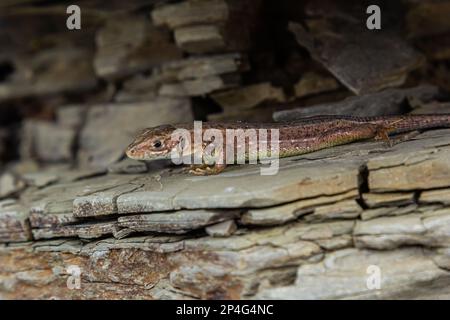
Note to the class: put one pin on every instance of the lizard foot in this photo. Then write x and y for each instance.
(383, 134)
(206, 170)
(404, 137)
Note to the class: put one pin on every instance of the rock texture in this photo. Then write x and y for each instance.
(109, 127)
(386, 102)
(363, 66)
(329, 223)
(78, 220)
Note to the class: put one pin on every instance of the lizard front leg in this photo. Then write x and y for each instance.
(209, 165)
(206, 169)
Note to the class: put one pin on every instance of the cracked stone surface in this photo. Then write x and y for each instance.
(372, 68)
(10, 184)
(13, 222)
(343, 274)
(110, 127)
(386, 102)
(325, 227)
(373, 200)
(312, 233)
(131, 44)
(178, 222)
(221, 229)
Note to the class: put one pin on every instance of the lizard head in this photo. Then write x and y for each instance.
(152, 143)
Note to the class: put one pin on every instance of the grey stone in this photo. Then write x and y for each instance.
(50, 71)
(111, 128)
(374, 200)
(441, 256)
(313, 83)
(386, 102)
(388, 211)
(336, 243)
(128, 166)
(13, 222)
(346, 209)
(52, 220)
(198, 87)
(249, 96)
(54, 204)
(89, 230)
(344, 275)
(428, 229)
(102, 202)
(437, 224)
(435, 196)
(433, 107)
(411, 224)
(291, 211)
(231, 190)
(364, 67)
(221, 229)
(199, 39)
(411, 165)
(177, 222)
(40, 179)
(71, 116)
(131, 44)
(190, 13)
(191, 76)
(49, 141)
(10, 184)
(153, 243)
(203, 67)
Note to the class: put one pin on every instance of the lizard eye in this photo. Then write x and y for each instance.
(157, 144)
(182, 143)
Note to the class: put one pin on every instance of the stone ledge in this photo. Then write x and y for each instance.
(327, 217)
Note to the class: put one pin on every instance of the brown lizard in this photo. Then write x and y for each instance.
(295, 138)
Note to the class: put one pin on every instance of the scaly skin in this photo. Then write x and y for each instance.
(295, 138)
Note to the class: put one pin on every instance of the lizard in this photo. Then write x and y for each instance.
(295, 137)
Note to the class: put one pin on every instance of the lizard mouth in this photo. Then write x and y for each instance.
(144, 151)
(137, 155)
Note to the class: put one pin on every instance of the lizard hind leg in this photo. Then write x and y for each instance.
(383, 134)
(399, 138)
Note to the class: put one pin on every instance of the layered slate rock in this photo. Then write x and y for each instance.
(344, 274)
(231, 190)
(177, 222)
(14, 225)
(201, 75)
(412, 163)
(293, 210)
(39, 75)
(313, 233)
(128, 44)
(210, 26)
(429, 228)
(49, 141)
(221, 229)
(110, 127)
(386, 102)
(10, 184)
(357, 221)
(374, 60)
(192, 76)
(248, 97)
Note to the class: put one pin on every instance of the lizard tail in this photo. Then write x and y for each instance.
(399, 124)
